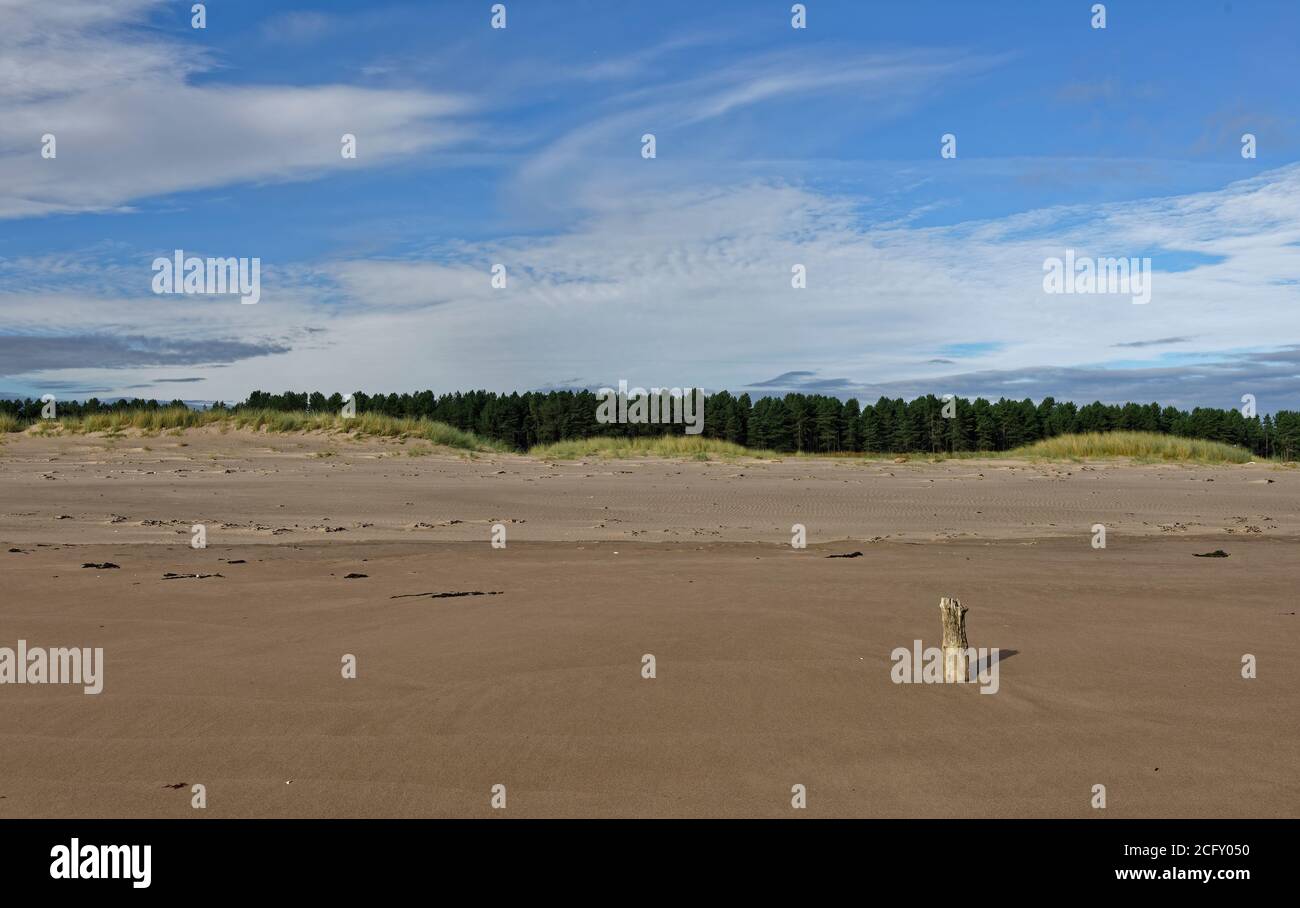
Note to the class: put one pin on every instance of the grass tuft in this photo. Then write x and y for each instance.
(1149, 446)
(691, 446)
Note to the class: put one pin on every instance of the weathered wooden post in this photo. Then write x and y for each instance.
(955, 666)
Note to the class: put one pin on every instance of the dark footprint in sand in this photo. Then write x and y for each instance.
(355, 576)
(174, 787)
(847, 555)
(1217, 553)
(102, 565)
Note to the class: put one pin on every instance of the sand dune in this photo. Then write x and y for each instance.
(250, 487)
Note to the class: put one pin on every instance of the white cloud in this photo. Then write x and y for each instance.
(398, 283)
(694, 287)
(130, 122)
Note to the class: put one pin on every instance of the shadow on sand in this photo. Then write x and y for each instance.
(990, 660)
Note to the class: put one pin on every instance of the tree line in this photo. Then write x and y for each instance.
(813, 423)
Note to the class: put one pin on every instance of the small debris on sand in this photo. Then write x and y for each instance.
(355, 576)
(1217, 553)
(101, 565)
(171, 576)
(448, 595)
(847, 555)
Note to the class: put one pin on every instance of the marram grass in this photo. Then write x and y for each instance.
(1142, 446)
(172, 418)
(694, 446)
(1137, 445)
(144, 420)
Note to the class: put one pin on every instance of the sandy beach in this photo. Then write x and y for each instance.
(1119, 666)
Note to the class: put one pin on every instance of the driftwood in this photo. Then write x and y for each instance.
(956, 667)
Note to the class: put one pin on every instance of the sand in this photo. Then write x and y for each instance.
(1119, 667)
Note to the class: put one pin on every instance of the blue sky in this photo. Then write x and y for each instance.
(775, 146)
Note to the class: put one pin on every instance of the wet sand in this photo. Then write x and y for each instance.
(1119, 667)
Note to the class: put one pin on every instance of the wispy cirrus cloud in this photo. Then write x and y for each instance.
(682, 109)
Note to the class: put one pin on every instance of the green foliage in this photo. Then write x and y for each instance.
(795, 423)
